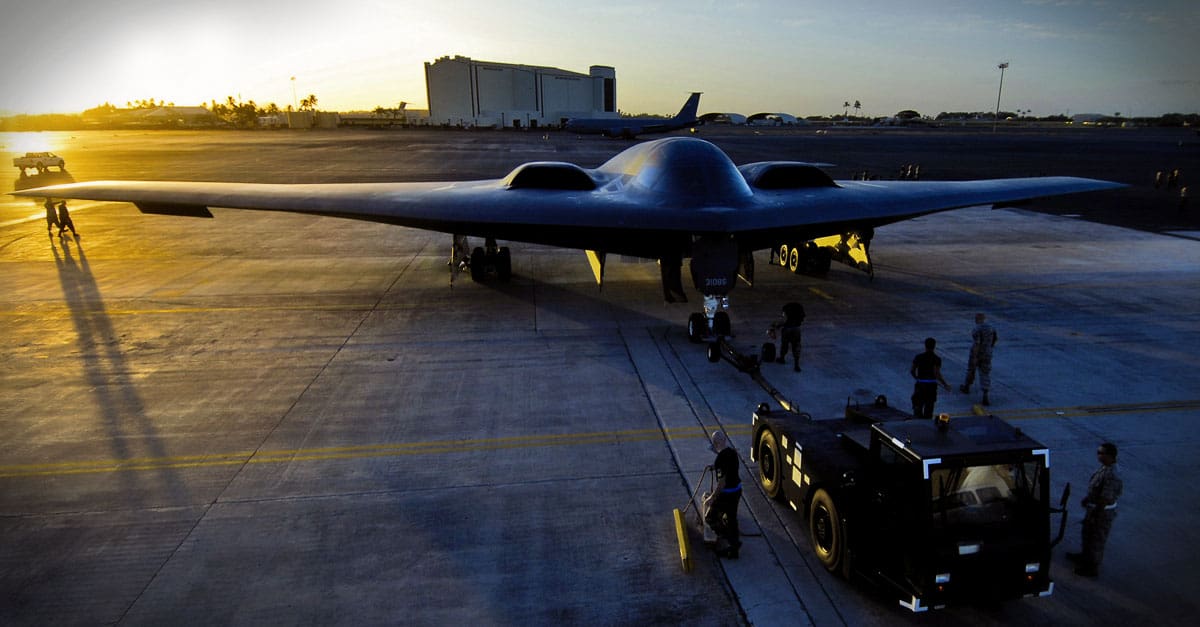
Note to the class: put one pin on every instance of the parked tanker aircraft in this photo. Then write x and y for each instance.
(668, 199)
(632, 127)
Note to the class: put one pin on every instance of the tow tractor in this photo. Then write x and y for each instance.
(936, 512)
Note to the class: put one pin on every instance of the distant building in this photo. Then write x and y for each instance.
(312, 119)
(385, 119)
(771, 119)
(1088, 119)
(733, 119)
(170, 116)
(466, 92)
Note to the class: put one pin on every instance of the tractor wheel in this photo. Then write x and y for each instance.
(826, 532)
(770, 465)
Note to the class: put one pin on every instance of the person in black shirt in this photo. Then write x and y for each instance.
(927, 370)
(51, 217)
(727, 494)
(64, 220)
(788, 330)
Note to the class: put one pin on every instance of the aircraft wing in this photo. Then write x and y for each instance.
(804, 214)
(654, 200)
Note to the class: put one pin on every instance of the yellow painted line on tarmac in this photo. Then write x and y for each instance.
(443, 447)
(63, 312)
(821, 293)
(440, 447)
(1080, 411)
(966, 289)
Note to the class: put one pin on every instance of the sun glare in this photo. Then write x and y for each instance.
(21, 143)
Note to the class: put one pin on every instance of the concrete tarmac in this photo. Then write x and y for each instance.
(271, 418)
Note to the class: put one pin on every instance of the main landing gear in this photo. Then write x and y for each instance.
(483, 262)
(806, 258)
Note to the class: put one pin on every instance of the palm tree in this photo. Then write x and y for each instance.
(846, 109)
(857, 108)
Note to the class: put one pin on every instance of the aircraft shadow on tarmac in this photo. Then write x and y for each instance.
(581, 307)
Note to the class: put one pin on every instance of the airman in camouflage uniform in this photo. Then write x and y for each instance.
(983, 339)
(1100, 504)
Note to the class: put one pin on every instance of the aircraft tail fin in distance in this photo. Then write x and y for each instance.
(689, 113)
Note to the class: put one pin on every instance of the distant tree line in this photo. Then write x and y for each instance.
(233, 112)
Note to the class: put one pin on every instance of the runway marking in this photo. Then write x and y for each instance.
(972, 291)
(355, 452)
(114, 311)
(442, 447)
(1095, 410)
(821, 293)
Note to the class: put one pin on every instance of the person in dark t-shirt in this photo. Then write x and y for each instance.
(927, 371)
(727, 494)
(787, 327)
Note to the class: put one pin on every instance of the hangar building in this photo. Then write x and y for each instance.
(466, 92)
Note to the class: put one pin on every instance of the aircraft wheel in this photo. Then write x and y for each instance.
(770, 472)
(816, 259)
(504, 264)
(794, 259)
(825, 531)
(721, 324)
(783, 255)
(478, 264)
(697, 325)
(714, 352)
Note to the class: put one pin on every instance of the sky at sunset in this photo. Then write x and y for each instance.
(805, 58)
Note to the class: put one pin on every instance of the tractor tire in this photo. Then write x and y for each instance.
(826, 532)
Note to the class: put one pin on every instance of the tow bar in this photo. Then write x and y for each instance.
(720, 348)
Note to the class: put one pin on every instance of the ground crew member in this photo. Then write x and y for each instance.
(983, 339)
(1100, 505)
(51, 217)
(927, 371)
(64, 220)
(787, 327)
(727, 494)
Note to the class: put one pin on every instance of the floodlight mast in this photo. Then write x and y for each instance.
(996, 120)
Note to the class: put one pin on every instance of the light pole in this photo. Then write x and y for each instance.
(1003, 66)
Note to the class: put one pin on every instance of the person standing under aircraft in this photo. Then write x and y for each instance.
(927, 370)
(721, 514)
(64, 220)
(788, 330)
(51, 217)
(983, 339)
(1104, 489)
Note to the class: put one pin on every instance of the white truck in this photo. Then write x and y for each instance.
(39, 161)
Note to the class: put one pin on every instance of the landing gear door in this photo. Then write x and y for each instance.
(714, 265)
(852, 248)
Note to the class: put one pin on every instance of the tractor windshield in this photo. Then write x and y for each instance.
(988, 496)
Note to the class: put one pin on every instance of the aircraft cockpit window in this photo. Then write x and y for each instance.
(560, 176)
(792, 176)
